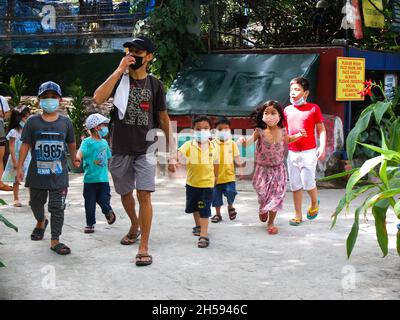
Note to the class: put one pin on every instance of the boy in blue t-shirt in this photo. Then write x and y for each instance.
(95, 153)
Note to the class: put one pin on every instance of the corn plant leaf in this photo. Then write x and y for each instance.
(383, 173)
(2, 265)
(342, 203)
(361, 172)
(2, 202)
(352, 137)
(394, 135)
(338, 175)
(379, 211)
(389, 154)
(8, 223)
(397, 209)
(352, 237)
(380, 109)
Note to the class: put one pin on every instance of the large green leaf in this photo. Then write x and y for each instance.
(379, 212)
(338, 175)
(342, 203)
(8, 223)
(352, 237)
(361, 172)
(394, 136)
(352, 137)
(380, 109)
(389, 154)
(397, 209)
(383, 173)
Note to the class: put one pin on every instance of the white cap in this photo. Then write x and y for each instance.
(95, 120)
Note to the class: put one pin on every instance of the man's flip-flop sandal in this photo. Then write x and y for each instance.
(295, 221)
(111, 218)
(217, 218)
(263, 216)
(312, 213)
(38, 234)
(203, 242)
(130, 238)
(272, 230)
(232, 213)
(142, 263)
(61, 249)
(196, 231)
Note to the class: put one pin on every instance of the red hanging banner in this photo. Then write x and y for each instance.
(358, 30)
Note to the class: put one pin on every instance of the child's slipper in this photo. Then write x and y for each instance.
(295, 221)
(61, 249)
(263, 216)
(204, 242)
(272, 230)
(88, 229)
(130, 238)
(38, 234)
(217, 218)
(143, 263)
(111, 218)
(17, 204)
(232, 213)
(196, 231)
(312, 213)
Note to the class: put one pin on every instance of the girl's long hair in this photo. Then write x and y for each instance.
(257, 115)
(16, 117)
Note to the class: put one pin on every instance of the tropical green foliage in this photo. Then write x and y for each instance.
(15, 88)
(382, 193)
(168, 26)
(78, 112)
(7, 223)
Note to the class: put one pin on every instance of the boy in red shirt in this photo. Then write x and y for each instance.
(303, 154)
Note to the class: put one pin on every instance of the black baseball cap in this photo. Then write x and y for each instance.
(141, 43)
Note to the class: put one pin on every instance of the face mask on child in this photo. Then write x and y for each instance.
(224, 135)
(271, 120)
(103, 132)
(299, 102)
(202, 135)
(49, 105)
(22, 124)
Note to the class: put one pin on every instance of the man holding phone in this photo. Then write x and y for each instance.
(139, 106)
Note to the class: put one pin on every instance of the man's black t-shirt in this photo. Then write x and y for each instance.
(128, 136)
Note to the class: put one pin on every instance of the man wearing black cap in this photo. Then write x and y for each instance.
(139, 106)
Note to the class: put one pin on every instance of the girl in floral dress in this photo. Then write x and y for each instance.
(269, 179)
(17, 122)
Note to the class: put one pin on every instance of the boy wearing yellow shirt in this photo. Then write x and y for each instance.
(202, 170)
(228, 153)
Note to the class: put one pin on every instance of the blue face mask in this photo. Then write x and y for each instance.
(299, 102)
(224, 135)
(22, 124)
(201, 135)
(103, 132)
(49, 105)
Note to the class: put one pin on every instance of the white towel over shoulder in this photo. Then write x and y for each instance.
(122, 95)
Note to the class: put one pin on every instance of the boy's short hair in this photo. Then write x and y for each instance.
(305, 84)
(200, 119)
(222, 120)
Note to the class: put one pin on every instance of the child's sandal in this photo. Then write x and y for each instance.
(295, 221)
(232, 213)
(272, 230)
(312, 213)
(196, 231)
(217, 218)
(263, 216)
(203, 242)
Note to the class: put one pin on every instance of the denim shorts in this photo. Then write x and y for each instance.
(199, 200)
(224, 189)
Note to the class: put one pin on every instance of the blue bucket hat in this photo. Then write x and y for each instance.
(49, 86)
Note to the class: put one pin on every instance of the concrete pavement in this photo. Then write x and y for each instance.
(242, 262)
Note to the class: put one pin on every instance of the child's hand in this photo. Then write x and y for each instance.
(302, 133)
(77, 163)
(241, 140)
(19, 176)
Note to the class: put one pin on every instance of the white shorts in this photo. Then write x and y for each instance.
(301, 169)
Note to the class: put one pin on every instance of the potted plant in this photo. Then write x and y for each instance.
(383, 165)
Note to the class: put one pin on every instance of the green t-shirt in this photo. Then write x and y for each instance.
(95, 155)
